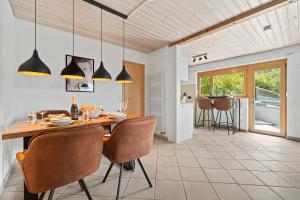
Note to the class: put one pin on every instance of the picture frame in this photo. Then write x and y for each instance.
(81, 85)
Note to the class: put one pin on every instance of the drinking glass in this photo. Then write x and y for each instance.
(92, 114)
(85, 115)
(124, 105)
(42, 112)
(31, 118)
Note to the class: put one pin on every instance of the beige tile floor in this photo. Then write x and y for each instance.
(211, 166)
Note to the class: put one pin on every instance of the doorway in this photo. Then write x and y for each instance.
(135, 91)
(267, 98)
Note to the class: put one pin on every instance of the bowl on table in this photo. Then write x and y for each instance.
(93, 114)
(117, 115)
(60, 121)
(104, 113)
(55, 116)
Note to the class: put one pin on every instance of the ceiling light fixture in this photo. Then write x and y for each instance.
(267, 28)
(200, 57)
(124, 76)
(101, 74)
(34, 66)
(72, 70)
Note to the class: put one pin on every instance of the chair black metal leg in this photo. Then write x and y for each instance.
(220, 117)
(81, 187)
(51, 195)
(119, 183)
(107, 173)
(203, 117)
(227, 122)
(199, 118)
(213, 115)
(144, 171)
(42, 196)
(232, 121)
(208, 122)
(82, 183)
(215, 125)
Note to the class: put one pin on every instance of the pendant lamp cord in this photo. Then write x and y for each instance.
(73, 26)
(123, 40)
(101, 35)
(35, 24)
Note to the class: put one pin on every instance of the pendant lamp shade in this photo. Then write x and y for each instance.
(34, 66)
(124, 76)
(101, 74)
(72, 71)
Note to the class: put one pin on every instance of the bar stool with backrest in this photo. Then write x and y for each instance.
(222, 105)
(206, 107)
(58, 158)
(131, 139)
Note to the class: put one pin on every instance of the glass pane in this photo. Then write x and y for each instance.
(229, 84)
(267, 100)
(205, 88)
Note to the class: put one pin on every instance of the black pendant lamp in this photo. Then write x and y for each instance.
(101, 74)
(34, 66)
(124, 76)
(72, 70)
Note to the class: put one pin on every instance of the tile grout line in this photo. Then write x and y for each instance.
(186, 197)
(206, 175)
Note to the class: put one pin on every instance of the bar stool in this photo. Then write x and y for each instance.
(223, 105)
(205, 105)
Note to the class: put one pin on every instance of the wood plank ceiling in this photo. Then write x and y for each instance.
(159, 22)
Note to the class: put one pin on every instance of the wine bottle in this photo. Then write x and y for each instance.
(74, 109)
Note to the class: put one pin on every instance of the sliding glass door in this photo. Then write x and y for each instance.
(267, 96)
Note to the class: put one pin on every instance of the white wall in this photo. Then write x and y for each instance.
(52, 44)
(293, 95)
(292, 54)
(7, 56)
(164, 60)
(175, 69)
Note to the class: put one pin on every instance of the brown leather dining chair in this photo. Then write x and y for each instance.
(131, 139)
(224, 104)
(51, 112)
(206, 108)
(58, 158)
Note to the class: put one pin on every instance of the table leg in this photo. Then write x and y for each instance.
(27, 194)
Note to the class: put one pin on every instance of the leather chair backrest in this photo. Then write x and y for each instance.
(131, 139)
(57, 158)
(205, 104)
(223, 103)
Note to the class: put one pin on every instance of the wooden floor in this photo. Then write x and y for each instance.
(211, 166)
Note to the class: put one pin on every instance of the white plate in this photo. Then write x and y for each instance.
(60, 123)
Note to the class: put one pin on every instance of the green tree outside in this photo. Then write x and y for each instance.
(233, 83)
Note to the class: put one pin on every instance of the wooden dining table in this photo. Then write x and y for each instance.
(21, 129)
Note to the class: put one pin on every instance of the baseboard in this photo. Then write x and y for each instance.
(293, 138)
(8, 174)
(161, 136)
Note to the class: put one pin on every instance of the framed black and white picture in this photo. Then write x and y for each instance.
(81, 85)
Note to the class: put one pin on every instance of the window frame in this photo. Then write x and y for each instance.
(223, 71)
